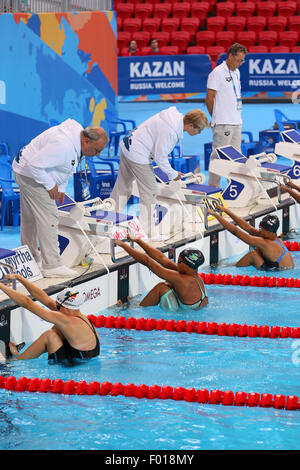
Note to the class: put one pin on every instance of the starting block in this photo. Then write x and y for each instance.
(248, 177)
(88, 227)
(289, 148)
(181, 202)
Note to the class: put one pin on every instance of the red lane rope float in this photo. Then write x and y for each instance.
(292, 246)
(214, 397)
(200, 327)
(244, 280)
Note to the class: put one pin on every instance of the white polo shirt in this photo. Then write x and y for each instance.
(228, 87)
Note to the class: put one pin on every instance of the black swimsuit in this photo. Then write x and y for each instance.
(66, 353)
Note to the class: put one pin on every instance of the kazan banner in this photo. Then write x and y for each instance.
(188, 73)
(163, 74)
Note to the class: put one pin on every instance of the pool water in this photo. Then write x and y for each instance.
(35, 421)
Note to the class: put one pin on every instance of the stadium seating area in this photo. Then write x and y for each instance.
(209, 27)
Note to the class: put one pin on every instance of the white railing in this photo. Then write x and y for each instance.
(39, 6)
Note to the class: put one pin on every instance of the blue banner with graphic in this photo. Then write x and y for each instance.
(163, 74)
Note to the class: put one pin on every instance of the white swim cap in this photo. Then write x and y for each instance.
(70, 298)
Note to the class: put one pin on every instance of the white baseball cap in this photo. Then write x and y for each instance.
(70, 298)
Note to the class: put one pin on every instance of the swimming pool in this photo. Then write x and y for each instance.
(250, 364)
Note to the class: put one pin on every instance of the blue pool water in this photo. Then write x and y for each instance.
(59, 422)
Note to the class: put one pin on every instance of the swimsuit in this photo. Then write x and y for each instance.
(267, 264)
(66, 353)
(171, 302)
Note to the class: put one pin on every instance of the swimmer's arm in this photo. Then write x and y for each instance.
(241, 222)
(23, 301)
(34, 290)
(244, 236)
(146, 260)
(295, 195)
(210, 99)
(154, 253)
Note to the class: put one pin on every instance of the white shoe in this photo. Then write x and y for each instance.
(60, 271)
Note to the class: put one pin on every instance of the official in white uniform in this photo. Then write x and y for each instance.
(42, 170)
(153, 140)
(224, 104)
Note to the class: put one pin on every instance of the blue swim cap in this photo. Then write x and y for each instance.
(192, 258)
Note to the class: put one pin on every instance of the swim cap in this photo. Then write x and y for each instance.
(192, 258)
(70, 298)
(270, 223)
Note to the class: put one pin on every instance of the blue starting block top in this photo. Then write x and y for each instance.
(202, 188)
(230, 153)
(111, 217)
(4, 253)
(291, 136)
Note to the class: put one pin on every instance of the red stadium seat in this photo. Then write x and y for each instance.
(180, 39)
(277, 23)
(142, 38)
(225, 9)
(236, 23)
(151, 24)
(246, 38)
(169, 50)
(170, 24)
(153, 1)
(215, 23)
(266, 9)
(119, 24)
(123, 39)
(143, 10)
(245, 9)
(190, 24)
(199, 10)
(162, 10)
(205, 38)
(279, 49)
(125, 10)
(147, 50)
(225, 38)
(294, 23)
(163, 38)
(287, 9)
(295, 49)
(215, 51)
(195, 50)
(181, 9)
(256, 23)
(267, 38)
(258, 49)
(132, 24)
(288, 38)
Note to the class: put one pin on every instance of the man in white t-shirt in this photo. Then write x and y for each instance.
(224, 103)
(154, 139)
(42, 170)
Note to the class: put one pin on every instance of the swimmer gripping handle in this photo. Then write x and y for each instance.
(164, 392)
(9, 281)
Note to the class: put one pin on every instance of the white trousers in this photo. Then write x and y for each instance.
(39, 222)
(223, 134)
(147, 187)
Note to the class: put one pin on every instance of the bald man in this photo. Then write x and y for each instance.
(42, 170)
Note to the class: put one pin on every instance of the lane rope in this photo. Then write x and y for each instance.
(202, 396)
(244, 280)
(200, 327)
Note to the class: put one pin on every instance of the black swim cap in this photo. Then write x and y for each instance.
(270, 223)
(192, 258)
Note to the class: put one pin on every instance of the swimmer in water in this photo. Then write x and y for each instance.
(73, 337)
(183, 289)
(269, 251)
